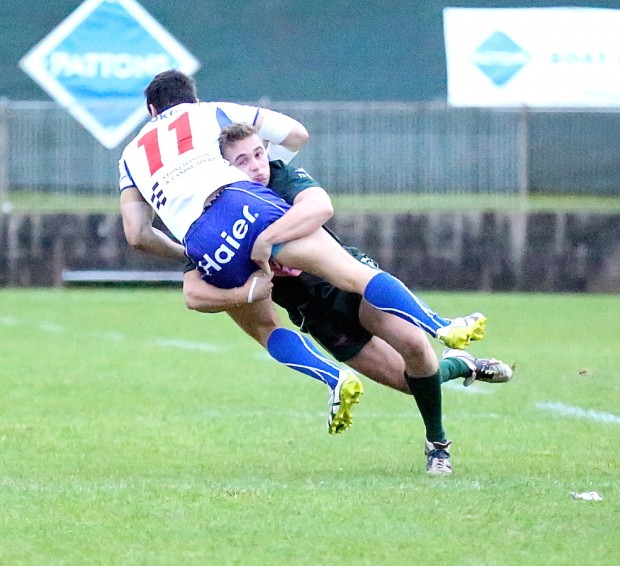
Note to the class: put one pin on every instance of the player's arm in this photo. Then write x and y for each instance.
(311, 209)
(203, 297)
(286, 136)
(139, 231)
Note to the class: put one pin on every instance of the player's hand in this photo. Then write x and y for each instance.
(258, 286)
(261, 253)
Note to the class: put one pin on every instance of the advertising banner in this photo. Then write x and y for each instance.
(534, 57)
(97, 62)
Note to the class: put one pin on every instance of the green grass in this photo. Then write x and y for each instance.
(399, 203)
(136, 432)
(33, 201)
(25, 201)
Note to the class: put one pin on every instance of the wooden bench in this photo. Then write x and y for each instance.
(72, 277)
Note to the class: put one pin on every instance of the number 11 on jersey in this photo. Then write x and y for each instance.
(150, 142)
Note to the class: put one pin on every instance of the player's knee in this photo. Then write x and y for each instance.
(416, 345)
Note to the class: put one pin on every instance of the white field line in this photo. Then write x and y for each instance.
(52, 327)
(109, 335)
(113, 336)
(211, 347)
(457, 385)
(189, 345)
(578, 412)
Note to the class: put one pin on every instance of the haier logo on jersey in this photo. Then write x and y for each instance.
(227, 251)
(98, 61)
(500, 58)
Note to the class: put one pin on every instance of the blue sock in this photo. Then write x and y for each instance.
(388, 294)
(297, 352)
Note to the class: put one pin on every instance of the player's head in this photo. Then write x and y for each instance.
(241, 145)
(168, 89)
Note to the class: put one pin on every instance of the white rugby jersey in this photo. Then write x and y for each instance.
(175, 160)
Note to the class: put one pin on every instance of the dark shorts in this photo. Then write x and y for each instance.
(329, 315)
(220, 241)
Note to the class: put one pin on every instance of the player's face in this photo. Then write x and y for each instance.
(250, 156)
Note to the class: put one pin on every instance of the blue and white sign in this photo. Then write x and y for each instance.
(537, 57)
(98, 61)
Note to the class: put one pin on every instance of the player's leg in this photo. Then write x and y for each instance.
(459, 363)
(321, 255)
(261, 322)
(421, 370)
(332, 318)
(297, 352)
(381, 363)
(378, 361)
(412, 343)
(421, 374)
(257, 320)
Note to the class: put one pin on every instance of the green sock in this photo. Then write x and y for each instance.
(427, 394)
(453, 368)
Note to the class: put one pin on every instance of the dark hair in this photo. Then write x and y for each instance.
(170, 88)
(234, 133)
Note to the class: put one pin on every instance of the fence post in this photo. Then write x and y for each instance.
(524, 151)
(4, 156)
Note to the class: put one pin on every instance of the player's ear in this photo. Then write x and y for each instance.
(153, 111)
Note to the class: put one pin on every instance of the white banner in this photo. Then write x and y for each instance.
(538, 57)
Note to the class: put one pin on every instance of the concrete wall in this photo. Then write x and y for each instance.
(36, 248)
(445, 251)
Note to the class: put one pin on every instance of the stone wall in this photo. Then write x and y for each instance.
(36, 248)
(490, 251)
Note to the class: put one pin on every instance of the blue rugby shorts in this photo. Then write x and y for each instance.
(220, 241)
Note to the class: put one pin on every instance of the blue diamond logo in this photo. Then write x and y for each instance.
(97, 62)
(500, 58)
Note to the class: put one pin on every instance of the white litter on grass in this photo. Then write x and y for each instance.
(578, 412)
(586, 496)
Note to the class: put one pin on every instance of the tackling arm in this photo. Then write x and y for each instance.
(203, 297)
(311, 209)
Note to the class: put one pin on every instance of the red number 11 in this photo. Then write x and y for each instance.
(150, 143)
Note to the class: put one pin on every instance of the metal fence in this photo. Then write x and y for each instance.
(358, 148)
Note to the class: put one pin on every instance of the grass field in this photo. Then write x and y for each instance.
(135, 432)
(29, 201)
